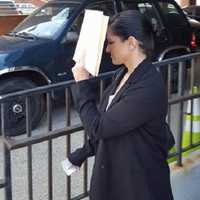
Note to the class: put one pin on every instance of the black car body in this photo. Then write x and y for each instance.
(39, 50)
(193, 15)
(193, 11)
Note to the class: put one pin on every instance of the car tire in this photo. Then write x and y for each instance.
(14, 114)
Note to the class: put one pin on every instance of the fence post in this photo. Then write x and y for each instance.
(7, 160)
(181, 87)
(7, 173)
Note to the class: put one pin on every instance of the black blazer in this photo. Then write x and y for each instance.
(129, 140)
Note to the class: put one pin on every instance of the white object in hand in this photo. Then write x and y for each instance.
(90, 44)
(68, 167)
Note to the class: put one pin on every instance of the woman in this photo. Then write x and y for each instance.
(128, 133)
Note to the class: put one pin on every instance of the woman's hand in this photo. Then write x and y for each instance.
(79, 72)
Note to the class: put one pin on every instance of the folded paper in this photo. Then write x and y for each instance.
(90, 44)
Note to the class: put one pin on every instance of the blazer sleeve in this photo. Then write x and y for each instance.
(81, 154)
(136, 107)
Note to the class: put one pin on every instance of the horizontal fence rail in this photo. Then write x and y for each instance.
(60, 131)
(2, 183)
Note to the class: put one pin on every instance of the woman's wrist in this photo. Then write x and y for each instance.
(80, 73)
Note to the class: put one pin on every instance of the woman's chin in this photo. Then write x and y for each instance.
(114, 62)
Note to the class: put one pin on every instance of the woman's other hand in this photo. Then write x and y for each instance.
(79, 72)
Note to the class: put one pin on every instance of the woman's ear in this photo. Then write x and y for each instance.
(132, 42)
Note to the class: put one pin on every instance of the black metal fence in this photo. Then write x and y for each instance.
(61, 131)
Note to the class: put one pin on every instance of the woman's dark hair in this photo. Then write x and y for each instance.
(132, 23)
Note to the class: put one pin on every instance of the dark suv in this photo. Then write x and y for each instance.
(39, 50)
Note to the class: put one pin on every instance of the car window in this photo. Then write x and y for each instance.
(168, 8)
(106, 7)
(172, 15)
(148, 10)
(47, 22)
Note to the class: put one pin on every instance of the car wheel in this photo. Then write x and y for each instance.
(15, 110)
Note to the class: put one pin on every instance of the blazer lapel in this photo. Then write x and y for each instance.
(142, 68)
(117, 80)
(113, 86)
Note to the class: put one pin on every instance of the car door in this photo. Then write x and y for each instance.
(149, 10)
(176, 22)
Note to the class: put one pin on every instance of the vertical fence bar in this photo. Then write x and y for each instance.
(193, 60)
(28, 117)
(29, 150)
(191, 121)
(102, 86)
(7, 173)
(7, 159)
(68, 137)
(67, 107)
(169, 115)
(49, 126)
(169, 79)
(169, 92)
(85, 177)
(181, 87)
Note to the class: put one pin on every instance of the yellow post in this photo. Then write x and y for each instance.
(192, 119)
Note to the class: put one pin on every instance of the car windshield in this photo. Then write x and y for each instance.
(46, 22)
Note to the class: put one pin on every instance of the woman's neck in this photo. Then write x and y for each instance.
(134, 61)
